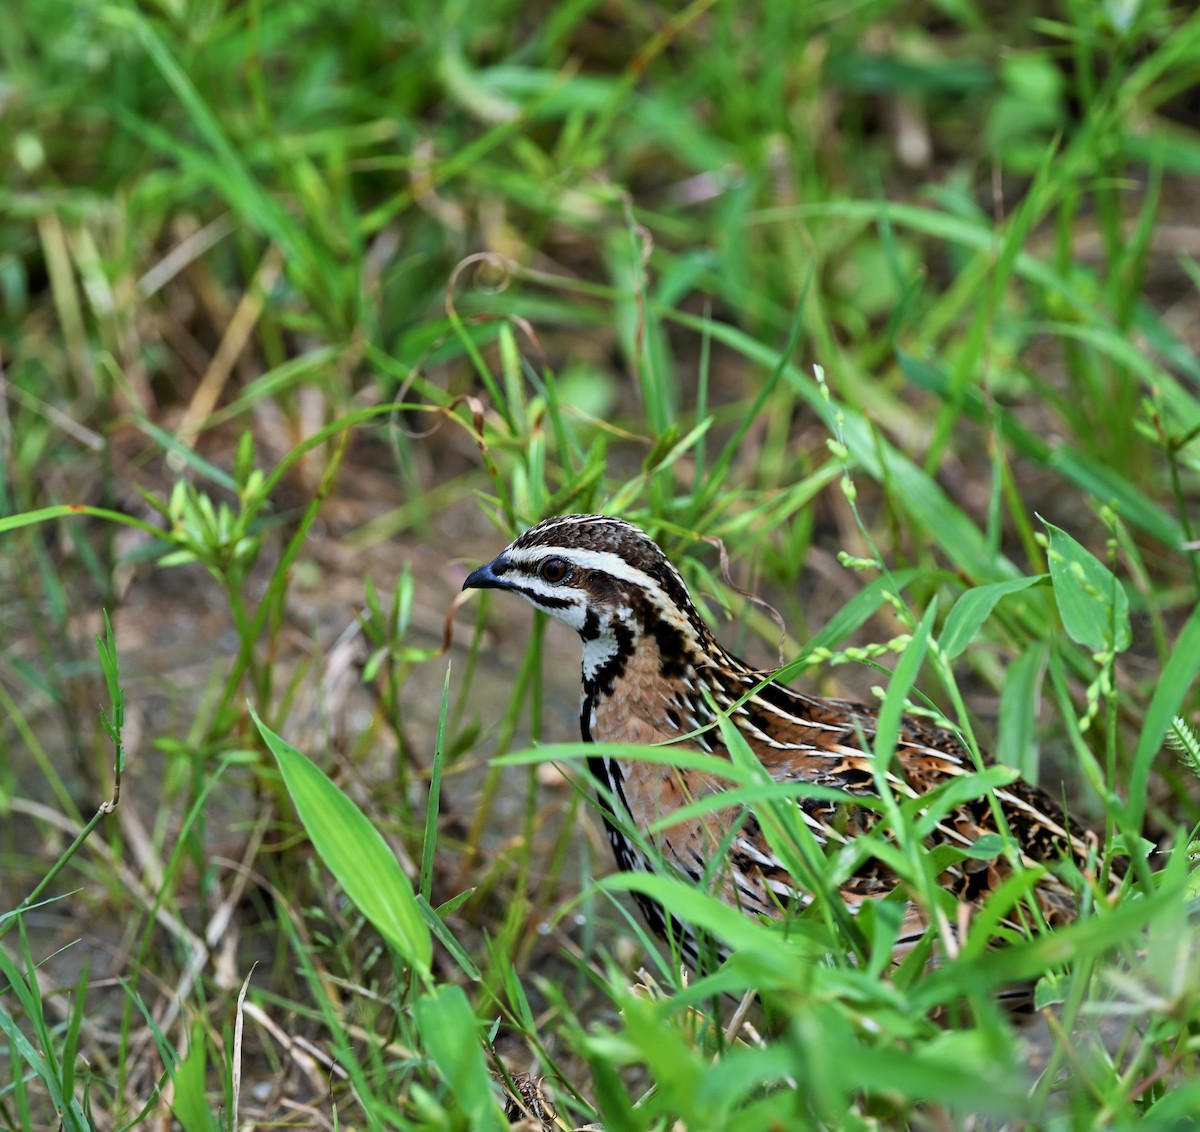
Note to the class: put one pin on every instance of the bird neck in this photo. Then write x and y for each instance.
(647, 672)
(607, 649)
(668, 643)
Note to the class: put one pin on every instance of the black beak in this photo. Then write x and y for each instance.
(487, 576)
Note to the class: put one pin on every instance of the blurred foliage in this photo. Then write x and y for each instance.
(695, 264)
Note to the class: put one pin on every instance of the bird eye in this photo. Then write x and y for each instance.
(553, 570)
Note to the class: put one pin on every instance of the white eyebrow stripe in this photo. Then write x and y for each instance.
(603, 560)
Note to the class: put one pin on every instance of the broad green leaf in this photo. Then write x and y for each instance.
(1173, 685)
(1177, 1109)
(1016, 738)
(1090, 599)
(973, 609)
(450, 1034)
(987, 846)
(354, 852)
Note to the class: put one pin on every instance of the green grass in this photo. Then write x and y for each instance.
(893, 304)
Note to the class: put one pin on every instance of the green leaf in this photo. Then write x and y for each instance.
(985, 847)
(973, 609)
(1090, 599)
(708, 915)
(354, 852)
(30, 1040)
(429, 842)
(1016, 738)
(936, 805)
(1030, 959)
(670, 754)
(450, 1033)
(1173, 685)
(190, 1105)
(887, 731)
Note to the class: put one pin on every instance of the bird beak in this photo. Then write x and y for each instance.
(487, 576)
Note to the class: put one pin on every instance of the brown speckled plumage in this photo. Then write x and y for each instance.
(648, 661)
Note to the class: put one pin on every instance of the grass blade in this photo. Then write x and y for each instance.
(355, 853)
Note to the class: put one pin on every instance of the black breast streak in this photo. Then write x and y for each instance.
(606, 592)
(586, 706)
(675, 648)
(610, 786)
(606, 676)
(591, 625)
(598, 765)
(673, 655)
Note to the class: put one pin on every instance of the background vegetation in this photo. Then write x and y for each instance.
(306, 307)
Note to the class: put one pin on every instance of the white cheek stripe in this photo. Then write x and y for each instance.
(533, 585)
(573, 615)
